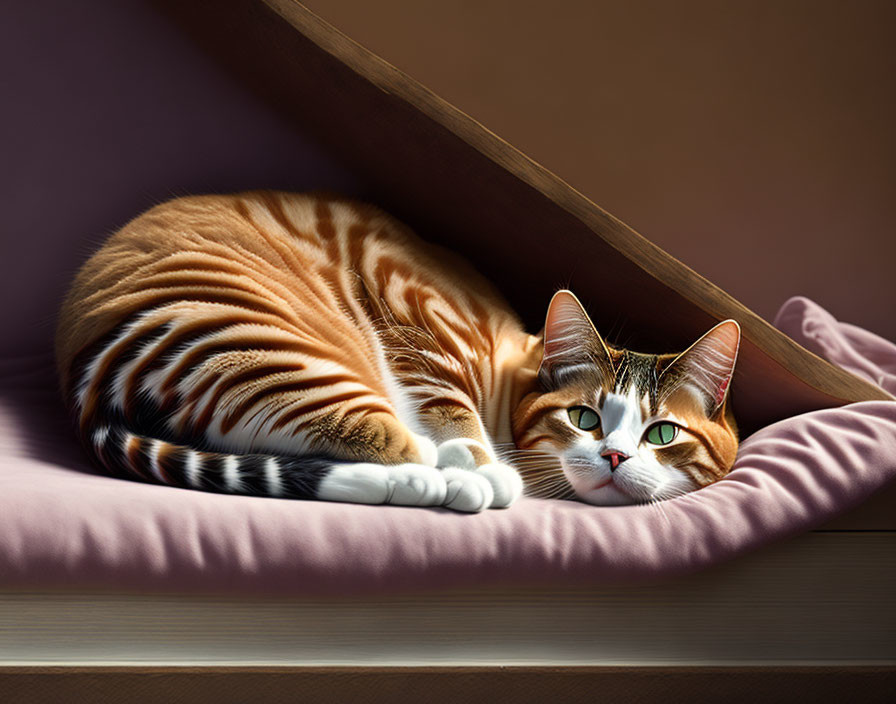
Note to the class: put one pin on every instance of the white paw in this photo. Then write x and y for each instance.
(506, 483)
(456, 453)
(366, 483)
(416, 485)
(467, 491)
(429, 455)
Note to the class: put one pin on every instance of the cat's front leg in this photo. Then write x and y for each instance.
(463, 447)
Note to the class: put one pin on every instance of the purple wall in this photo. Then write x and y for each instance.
(108, 110)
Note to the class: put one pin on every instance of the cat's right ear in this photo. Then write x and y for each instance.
(706, 367)
(571, 342)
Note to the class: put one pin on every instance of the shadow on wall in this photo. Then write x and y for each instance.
(117, 111)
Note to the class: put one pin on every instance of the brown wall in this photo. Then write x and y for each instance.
(752, 140)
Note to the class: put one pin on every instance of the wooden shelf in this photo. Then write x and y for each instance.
(810, 613)
(222, 685)
(818, 598)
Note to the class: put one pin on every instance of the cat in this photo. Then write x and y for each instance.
(308, 346)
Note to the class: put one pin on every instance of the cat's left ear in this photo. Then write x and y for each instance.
(571, 342)
(706, 367)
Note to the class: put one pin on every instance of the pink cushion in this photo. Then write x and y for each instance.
(63, 524)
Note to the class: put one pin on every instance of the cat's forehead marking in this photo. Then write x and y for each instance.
(638, 372)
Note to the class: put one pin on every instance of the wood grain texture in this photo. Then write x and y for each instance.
(816, 599)
(135, 685)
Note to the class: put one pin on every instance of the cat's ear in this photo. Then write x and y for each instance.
(571, 341)
(706, 367)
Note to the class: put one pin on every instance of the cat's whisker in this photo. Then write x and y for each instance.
(544, 481)
(536, 464)
(526, 455)
(538, 476)
(544, 484)
(514, 448)
(556, 492)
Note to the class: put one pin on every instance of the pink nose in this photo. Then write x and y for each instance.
(616, 459)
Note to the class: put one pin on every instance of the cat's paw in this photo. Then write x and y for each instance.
(468, 491)
(429, 454)
(416, 485)
(456, 453)
(367, 483)
(506, 483)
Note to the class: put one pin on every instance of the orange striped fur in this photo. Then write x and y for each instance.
(307, 346)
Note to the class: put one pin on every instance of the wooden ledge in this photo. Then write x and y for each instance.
(828, 683)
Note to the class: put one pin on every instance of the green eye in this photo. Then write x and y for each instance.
(583, 417)
(662, 433)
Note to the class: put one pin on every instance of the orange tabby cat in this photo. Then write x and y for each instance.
(308, 346)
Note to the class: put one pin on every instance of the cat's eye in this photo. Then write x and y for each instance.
(661, 433)
(583, 417)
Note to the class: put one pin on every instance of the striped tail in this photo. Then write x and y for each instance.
(130, 455)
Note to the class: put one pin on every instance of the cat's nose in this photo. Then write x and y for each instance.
(615, 459)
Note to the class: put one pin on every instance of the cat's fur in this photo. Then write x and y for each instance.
(308, 346)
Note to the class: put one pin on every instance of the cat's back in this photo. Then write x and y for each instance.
(201, 248)
(264, 257)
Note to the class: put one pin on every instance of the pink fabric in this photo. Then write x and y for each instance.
(859, 351)
(62, 524)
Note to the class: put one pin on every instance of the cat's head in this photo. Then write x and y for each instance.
(627, 427)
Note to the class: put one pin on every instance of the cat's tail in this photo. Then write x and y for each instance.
(127, 454)
(131, 455)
